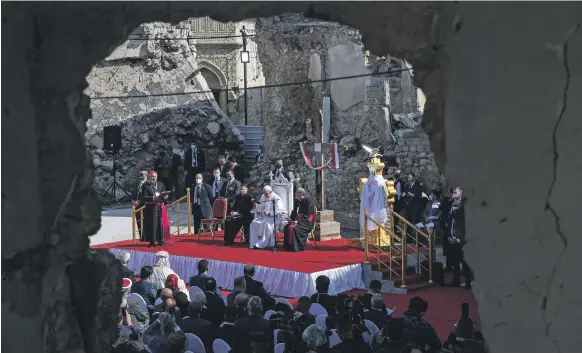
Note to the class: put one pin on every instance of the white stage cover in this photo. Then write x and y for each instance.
(278, 282)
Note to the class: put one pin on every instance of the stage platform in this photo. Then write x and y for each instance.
(286, 274)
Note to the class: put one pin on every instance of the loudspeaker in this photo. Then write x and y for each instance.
(112, 138)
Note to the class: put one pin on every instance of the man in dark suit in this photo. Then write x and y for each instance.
(240, 286)
(125, 270)
(377, 314)
(144, 287)
(329, 302)
(230, 189)
(240, 302)
(256, 288)
(217, 182)
(374, 287)
(194, 163)
(238, 170)
(226, 330)
(412, 196)
(195, 324)
(457, 240)
(254, 323)
(221, 165)
(199, 280)
(214, 304)
(202, 197)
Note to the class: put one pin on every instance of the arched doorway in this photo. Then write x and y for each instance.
(214, 84)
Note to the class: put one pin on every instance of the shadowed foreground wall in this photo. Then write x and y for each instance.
(496, 76)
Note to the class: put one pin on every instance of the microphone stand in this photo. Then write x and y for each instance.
(275, 231)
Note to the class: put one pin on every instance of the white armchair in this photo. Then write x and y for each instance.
(283, 188)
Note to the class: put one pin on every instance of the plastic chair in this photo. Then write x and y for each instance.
(158, 301)
(369, 337)
(219, 208)
(280, 348)
(193, 290)
(334, 339)
(275, 334)
(220, 346)
(194, 343)
(320, 320)
(317, 309)
(269, 313)
(136, 298)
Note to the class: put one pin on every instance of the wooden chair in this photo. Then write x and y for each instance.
(312, 232)
(219, 208)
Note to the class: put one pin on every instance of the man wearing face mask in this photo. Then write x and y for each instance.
(230, 188)
(217, 182)
(221, 165)
(202, 197)
(278, 170)
(457, 240)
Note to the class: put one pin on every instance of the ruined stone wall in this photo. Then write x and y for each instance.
(392, 102)
(295, 49)
(159, 67)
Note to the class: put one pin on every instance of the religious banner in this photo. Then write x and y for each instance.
(320, 148)
(194, 155)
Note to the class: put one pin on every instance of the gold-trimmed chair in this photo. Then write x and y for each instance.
(219, 209)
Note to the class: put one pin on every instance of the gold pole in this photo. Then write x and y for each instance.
(430, 257)
(391, 249)
(391, 206)
(366, 233)
(178, 218)
(417, 252)
(133, 224)
(188, 206)
(141, 219)
(404, 255)
(379, 248)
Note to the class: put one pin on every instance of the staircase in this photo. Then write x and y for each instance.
(253, 139)
(402, 265)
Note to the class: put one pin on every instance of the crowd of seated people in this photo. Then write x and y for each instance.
(250, 320)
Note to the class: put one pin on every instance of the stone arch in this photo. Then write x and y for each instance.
(205, 64)
(47, 114)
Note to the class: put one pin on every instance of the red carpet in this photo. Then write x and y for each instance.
(330, 254)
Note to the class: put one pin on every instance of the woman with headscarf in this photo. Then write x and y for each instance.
(162, 270)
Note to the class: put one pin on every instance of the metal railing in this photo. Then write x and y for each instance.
(398, 250)
(173, 211)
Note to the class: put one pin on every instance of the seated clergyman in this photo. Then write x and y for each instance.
(300, 223)
(267, 212)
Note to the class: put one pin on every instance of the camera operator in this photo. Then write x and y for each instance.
(416, 330)
(350, 328)
(389, 339)
(292, 324)
(467, 337)
(377, 313)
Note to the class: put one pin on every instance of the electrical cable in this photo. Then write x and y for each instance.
(254, 87)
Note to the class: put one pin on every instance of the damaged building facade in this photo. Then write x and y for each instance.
(380, 109)
(152, 87)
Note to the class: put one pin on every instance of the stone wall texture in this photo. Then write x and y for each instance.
(501, 81)
(156, 60)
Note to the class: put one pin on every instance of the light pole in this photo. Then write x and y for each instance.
(244, 59)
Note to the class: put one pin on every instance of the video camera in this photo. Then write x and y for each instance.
(355, 310)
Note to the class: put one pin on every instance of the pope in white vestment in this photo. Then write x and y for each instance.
(261, 230)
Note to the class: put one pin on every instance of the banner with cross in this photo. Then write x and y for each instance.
(320, 162)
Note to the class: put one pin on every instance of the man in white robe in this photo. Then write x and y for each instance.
(162, 270)
(374, 199)
(261, 230)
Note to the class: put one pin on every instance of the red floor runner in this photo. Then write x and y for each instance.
(330, 254)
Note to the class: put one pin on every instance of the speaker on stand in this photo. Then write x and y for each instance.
(112, 143)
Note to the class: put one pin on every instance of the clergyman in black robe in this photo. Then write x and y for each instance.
(302, 218)
(153, 191)
(240, 216)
